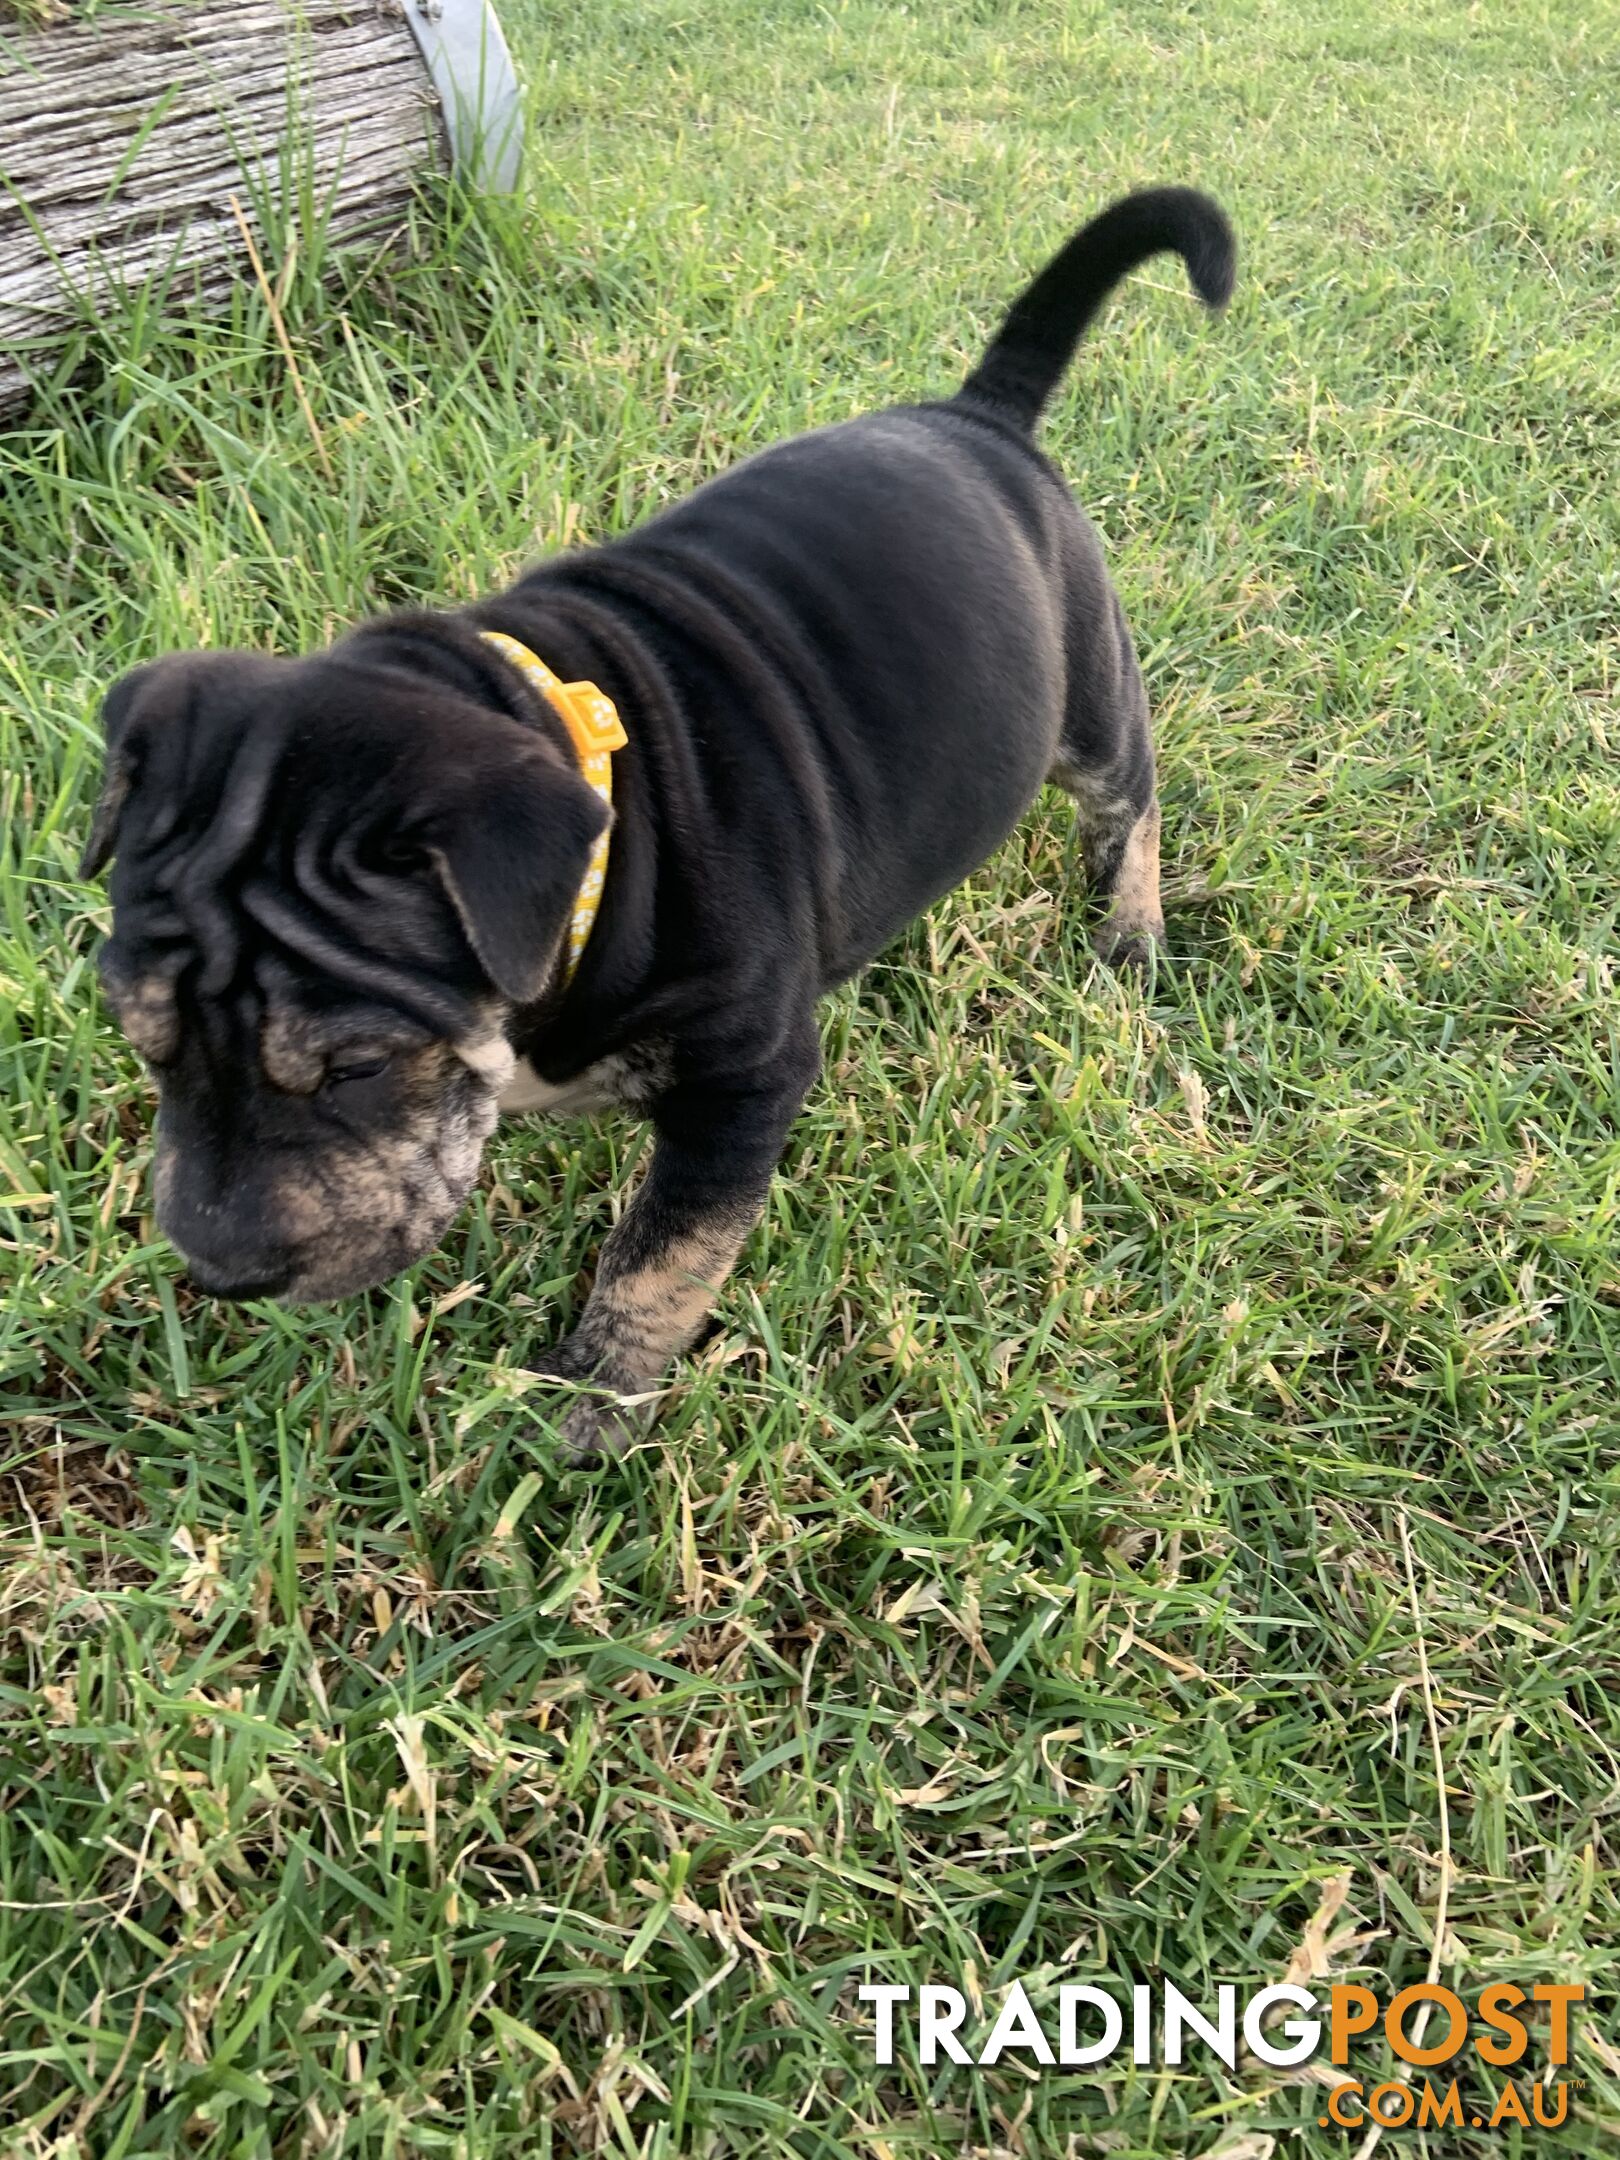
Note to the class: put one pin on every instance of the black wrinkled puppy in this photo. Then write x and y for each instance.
(346, 885)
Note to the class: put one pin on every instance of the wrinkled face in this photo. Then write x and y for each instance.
(307, 1152)
(335, 880)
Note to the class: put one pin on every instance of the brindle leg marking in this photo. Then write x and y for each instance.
(646, 1309)
(1105, 761)
(1135, 923)
(655, 1285)
(1119, 844)
(674, 1246)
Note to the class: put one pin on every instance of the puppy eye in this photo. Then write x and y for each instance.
(357, 1068)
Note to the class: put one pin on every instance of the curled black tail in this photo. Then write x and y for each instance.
(1045, 323)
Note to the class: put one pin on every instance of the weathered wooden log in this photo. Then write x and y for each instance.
(124, 137)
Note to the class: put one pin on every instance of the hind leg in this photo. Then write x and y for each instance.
(1134, 925)
(1105, 761)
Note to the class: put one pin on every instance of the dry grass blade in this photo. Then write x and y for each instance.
(1420, 2023)
(283, 340)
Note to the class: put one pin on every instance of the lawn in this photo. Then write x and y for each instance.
(1151, 1506)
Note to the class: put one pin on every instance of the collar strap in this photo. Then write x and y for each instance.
(596, 731)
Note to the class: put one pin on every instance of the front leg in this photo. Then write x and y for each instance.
(671, 1250)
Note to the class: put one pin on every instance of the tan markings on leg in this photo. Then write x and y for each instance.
(637, 1320)
(1136, 887)
(1100, 816)
(1136, 920)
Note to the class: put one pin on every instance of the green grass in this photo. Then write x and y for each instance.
(1019, 1585)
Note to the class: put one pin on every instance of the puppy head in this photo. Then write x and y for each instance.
(334, 879)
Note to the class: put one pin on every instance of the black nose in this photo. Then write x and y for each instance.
(237, 1288)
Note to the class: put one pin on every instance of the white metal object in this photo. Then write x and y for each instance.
(467, 57)
(127, 135)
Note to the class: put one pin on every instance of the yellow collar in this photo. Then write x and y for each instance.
(594, 725)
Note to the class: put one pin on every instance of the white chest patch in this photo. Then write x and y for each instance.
(614, 1081)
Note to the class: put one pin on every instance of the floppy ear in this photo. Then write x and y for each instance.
(512, 855)
(117, 709)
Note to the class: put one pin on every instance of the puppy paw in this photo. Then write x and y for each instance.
(1124, 943)
(599, 1426)
(567, 1360)
(597, 1431)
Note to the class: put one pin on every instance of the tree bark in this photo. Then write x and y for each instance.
(122, 140)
